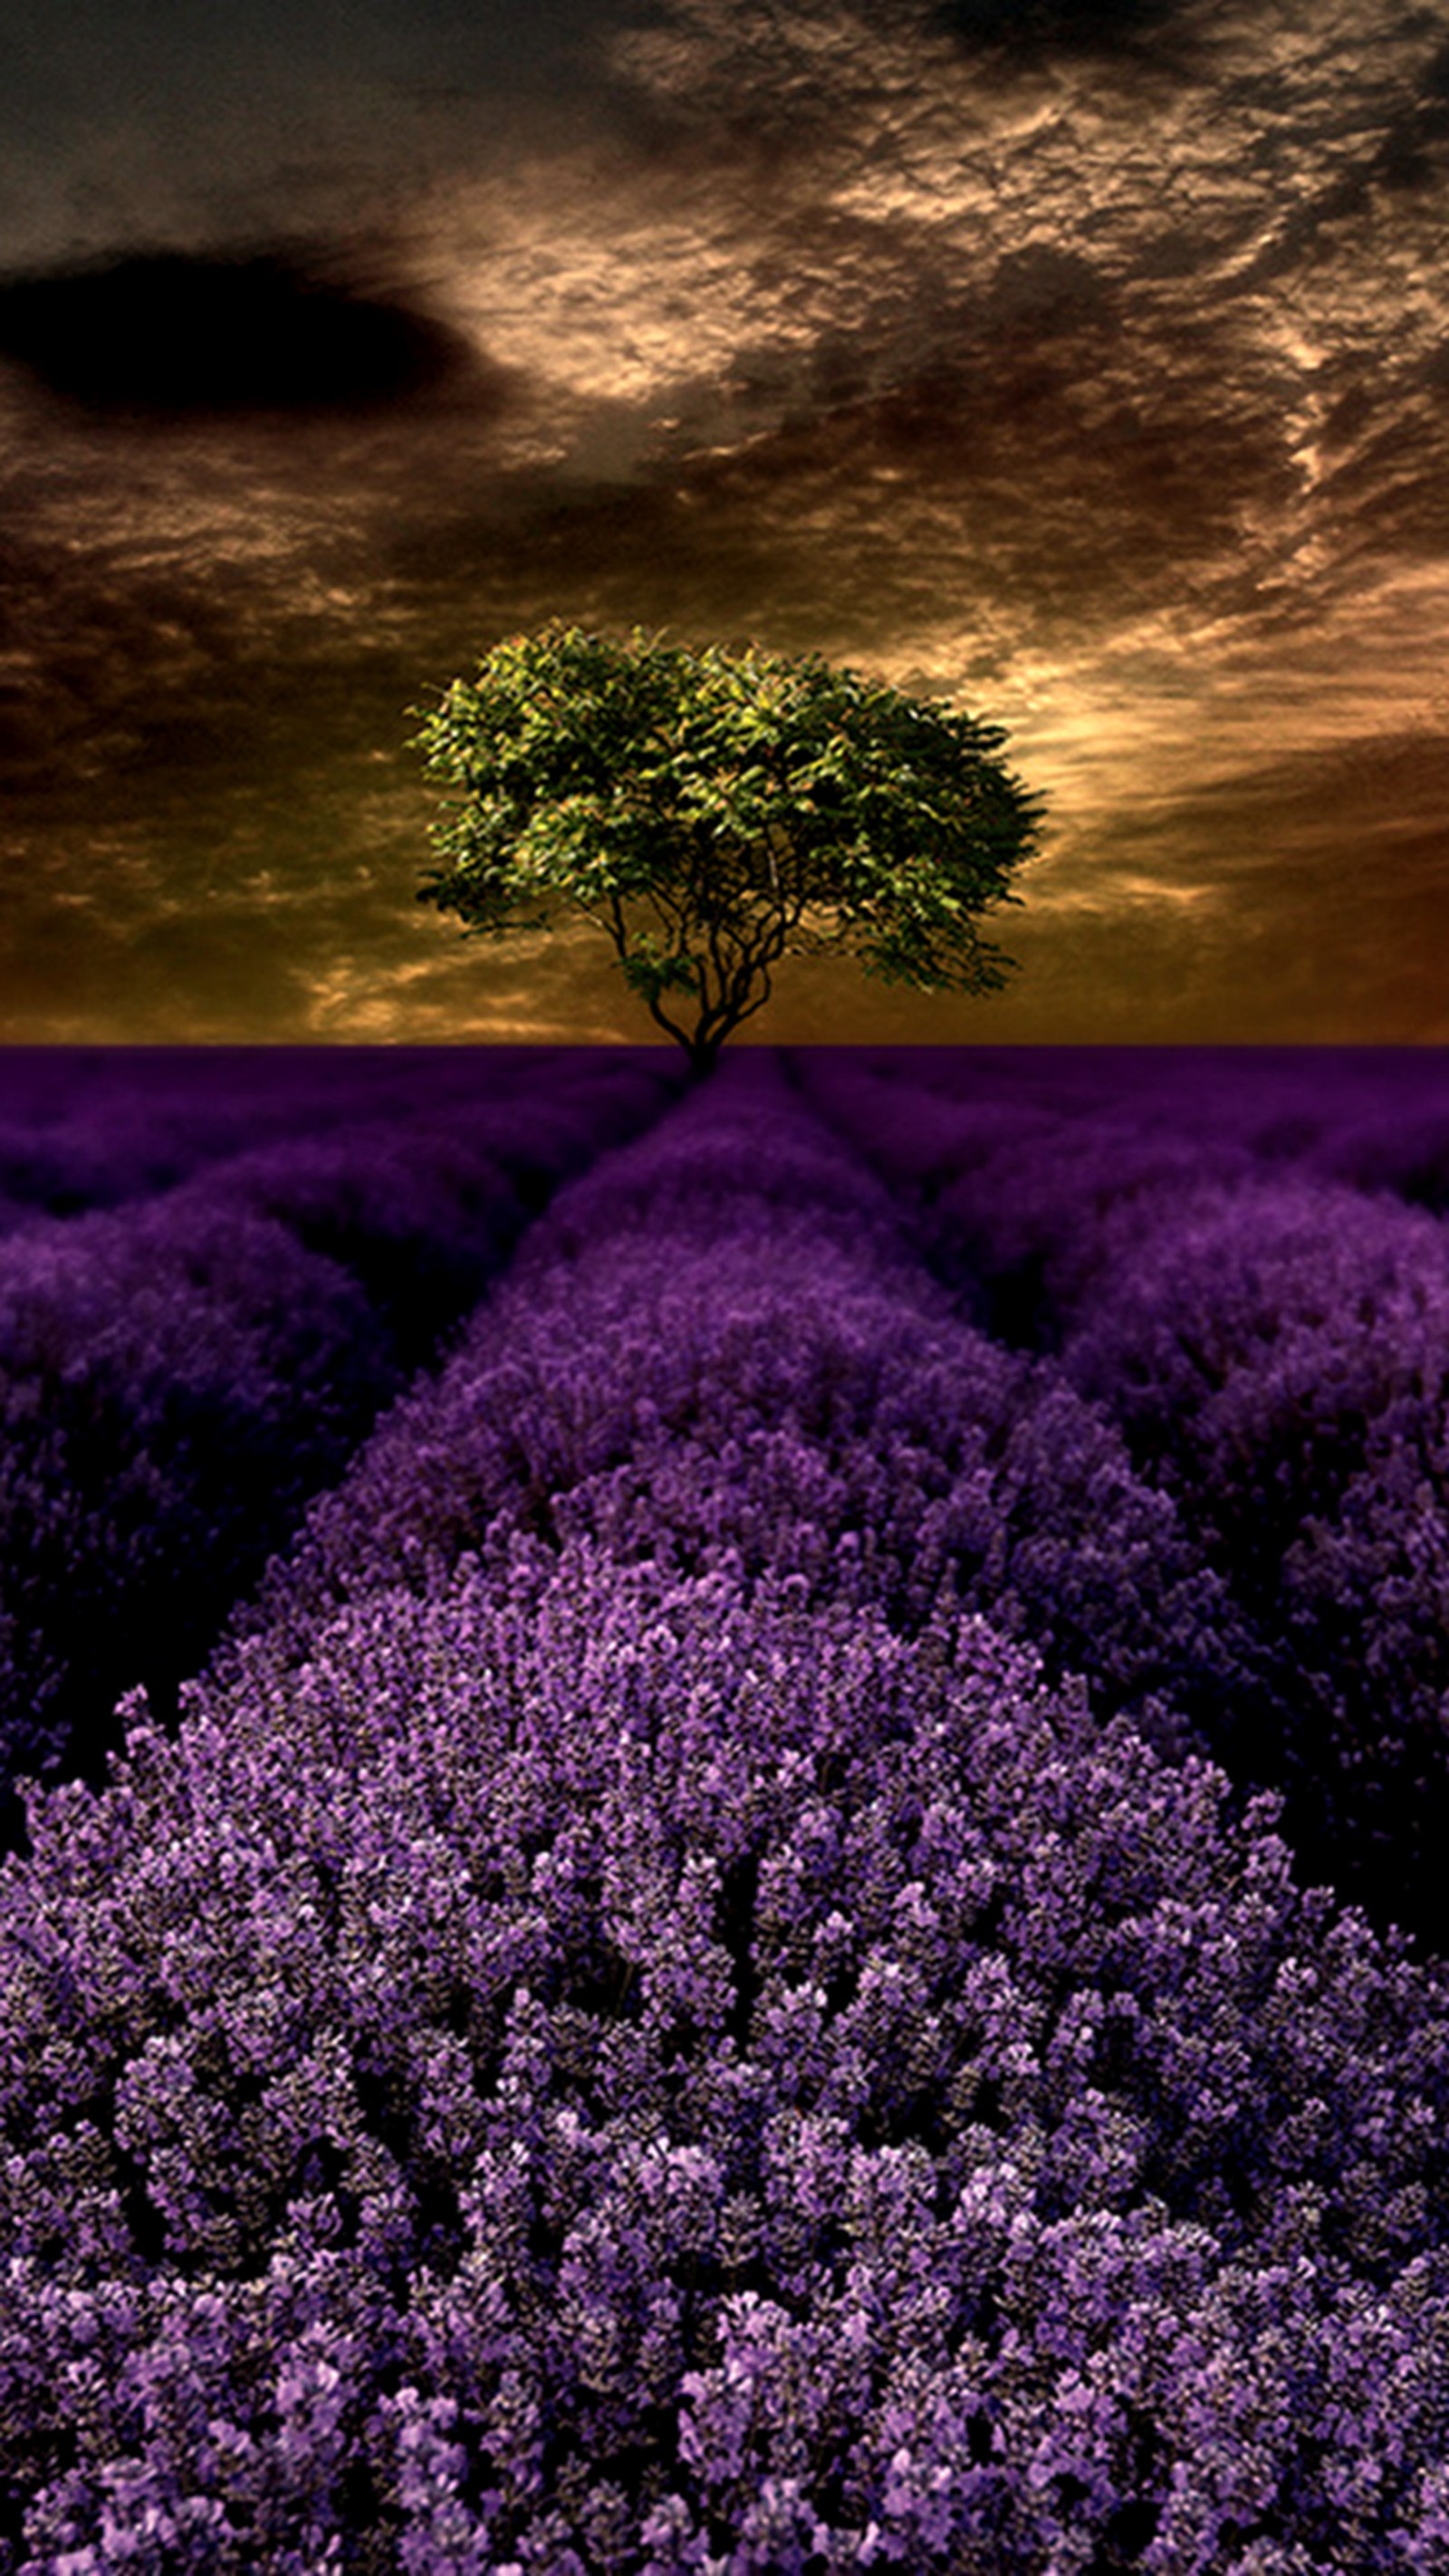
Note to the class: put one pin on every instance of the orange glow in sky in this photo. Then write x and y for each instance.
(1087, 364)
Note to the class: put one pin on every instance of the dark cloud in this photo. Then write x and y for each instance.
(1410, 154)
(1065, 27)
(169, 334)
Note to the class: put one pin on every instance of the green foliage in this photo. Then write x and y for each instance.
(714, 812)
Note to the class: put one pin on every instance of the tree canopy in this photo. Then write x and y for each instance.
(712, 812)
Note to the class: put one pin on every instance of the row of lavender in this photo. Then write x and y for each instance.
(280, 1243)
(683, 1998)
(1242, 1264)
(83, 1128)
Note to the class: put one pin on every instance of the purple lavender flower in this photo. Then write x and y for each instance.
(177, 1377)
(684, 1995)
(598, 2067)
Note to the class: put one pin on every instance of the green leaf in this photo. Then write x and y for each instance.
(722, 796)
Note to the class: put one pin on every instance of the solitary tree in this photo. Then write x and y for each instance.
(714, 812)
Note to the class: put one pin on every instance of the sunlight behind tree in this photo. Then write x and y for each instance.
(715, 812)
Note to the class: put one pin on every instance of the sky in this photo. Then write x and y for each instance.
(1083, 363)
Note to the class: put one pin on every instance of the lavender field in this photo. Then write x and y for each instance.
(725, 1813)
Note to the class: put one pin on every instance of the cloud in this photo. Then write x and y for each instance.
(1031, 484)
(1056, 27)
(169, 333)
(1096, 376)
